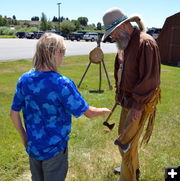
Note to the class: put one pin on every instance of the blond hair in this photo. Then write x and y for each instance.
(46, 47)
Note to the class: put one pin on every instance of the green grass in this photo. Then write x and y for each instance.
(92, 154)
(8, 36)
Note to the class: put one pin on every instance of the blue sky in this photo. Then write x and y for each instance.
(153, 12)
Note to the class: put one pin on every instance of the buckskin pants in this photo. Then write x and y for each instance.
(130, 161)
(130, 132)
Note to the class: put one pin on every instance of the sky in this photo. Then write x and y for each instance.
(152, 12)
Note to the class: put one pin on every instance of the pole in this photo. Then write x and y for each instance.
(110, 86)
(84, 75)
(59, 14)
(100, 77)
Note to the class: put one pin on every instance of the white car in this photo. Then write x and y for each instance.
(91, 36)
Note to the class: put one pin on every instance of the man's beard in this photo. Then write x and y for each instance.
(123, 40)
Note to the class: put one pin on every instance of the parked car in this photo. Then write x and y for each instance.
(109, 40)
(91, 36)
(84, 32)
(76, 36)
(30, 35)
(21, 34)
(55, 31)
(38, 34)
(154, 32)
(65, 35)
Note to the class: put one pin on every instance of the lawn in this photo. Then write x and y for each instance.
(8, 36)
(92, 154)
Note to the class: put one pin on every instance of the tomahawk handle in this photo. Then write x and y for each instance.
(110, 114)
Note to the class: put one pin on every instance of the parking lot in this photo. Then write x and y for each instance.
(13, 49)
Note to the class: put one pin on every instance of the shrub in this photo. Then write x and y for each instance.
(6, 31)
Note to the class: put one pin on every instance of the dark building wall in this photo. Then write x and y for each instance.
(169, 40)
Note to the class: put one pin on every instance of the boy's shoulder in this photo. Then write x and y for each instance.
(25, 75)
(63, 80)
(54, 77)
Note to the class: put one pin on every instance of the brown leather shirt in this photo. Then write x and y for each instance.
(141, 71)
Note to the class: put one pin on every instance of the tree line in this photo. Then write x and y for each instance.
(61, 24)
(6, 21)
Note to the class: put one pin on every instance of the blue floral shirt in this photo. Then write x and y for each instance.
(48, 100)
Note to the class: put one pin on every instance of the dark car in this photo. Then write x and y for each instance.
(21, 34)
(65, 35)
(108, 39)
(60, 33)
(76, 36)
(56, 32)
(38, 34)
(154, 32)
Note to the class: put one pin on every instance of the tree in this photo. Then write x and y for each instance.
(26, 23)
(14, 17)
(55, 19)
(99, 26)
(62, 19)
(77, 24)
(49, 25)
(91, 27)
(83, 21)
(44, 24)
(35, 18)
(67, 26)
(1, 20)
(5, 21)
(14, 21)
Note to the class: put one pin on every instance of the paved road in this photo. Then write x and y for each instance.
(13, 49)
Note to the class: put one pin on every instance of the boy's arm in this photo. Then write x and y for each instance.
(93, 112)
(16, 119)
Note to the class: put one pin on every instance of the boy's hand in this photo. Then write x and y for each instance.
(93, 112)
(105, 110)
(24, 141)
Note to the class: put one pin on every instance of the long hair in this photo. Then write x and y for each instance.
(46, 48)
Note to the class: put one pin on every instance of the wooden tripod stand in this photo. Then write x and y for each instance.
(96, 56)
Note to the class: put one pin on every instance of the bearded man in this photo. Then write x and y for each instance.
(137, 76)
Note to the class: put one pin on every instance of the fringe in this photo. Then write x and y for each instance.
(150, 109)
(150, 114)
